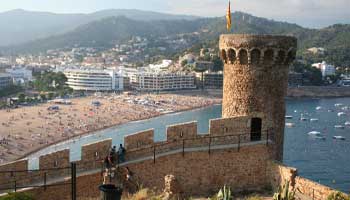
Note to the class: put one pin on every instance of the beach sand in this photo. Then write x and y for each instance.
(27, 129)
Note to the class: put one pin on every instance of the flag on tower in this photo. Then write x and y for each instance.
(228, 16)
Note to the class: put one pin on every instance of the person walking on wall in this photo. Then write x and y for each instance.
(121, 153)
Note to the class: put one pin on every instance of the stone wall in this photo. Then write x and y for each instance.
(305, 188)
(279, 174)
(312, 189)
(230, 126)
(6, 178)
(181, 131)
(57, 159)
(139, 140)
(93, 154)
(194, 171)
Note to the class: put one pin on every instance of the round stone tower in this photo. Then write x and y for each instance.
(256, 79)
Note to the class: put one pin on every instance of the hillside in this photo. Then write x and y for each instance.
(19, 26)
(109, 31)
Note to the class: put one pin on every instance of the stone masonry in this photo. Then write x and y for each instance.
(256, 78)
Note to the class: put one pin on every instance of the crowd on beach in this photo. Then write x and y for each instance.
(26, 129)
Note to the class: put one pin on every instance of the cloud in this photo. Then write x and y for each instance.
(314, 13)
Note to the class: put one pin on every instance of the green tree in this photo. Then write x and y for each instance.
(50, 81)
(21, 98)
(218, 64)
(184, 63)
(50, 95)
(43, 97)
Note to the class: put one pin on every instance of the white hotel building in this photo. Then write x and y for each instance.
(94, 80)
(162, 81)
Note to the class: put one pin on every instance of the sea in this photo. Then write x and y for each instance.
(318, 145)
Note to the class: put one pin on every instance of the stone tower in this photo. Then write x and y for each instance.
(256, 79)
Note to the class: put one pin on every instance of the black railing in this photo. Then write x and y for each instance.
(202, 141)
(41, 178)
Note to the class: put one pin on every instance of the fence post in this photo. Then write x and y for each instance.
(183, 148)
(154, 154)
(45, 176)
(267, 138)
(74, 180)
(239, 142)
(209, 145)
(15, 186)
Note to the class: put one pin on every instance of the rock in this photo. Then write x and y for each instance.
(172, 189)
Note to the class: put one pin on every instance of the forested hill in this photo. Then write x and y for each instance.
(111, 30)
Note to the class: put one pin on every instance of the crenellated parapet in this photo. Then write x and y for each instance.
(57, 159)
(139, 140)
(257, 50)
(181, 131)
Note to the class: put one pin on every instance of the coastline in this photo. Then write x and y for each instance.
(107, 127)
(303, 92)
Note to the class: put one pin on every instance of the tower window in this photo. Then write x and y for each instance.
(243, 57)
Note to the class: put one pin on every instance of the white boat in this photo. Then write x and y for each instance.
(314, 120)
(318, 108)
(314, 133)
(320, 137)
(290, 125)
(341, 114)
(339, 126)
(289, 117)
(345, 108)
(338, 137)
(338, 104)
(347, 123)
(302, 118)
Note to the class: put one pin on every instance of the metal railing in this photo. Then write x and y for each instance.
(41, 178)
(200, 141)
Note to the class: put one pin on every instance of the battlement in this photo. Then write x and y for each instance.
(181, 131)
(93, 153)
(257, 49)
(139, 140)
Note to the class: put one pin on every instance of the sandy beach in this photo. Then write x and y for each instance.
(27, 129)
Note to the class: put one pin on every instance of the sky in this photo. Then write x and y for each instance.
(308, 13)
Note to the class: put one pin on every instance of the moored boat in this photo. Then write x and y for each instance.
(341, 114)
(339, 126)
(338, 137)
(314, 133)
(290, 125)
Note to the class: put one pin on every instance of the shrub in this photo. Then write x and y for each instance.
(17, 196)
(338, 196)
(254, 198)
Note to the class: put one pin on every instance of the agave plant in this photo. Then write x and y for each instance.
(284, 193)
(224, 194)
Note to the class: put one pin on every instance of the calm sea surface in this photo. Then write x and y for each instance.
(321, 158)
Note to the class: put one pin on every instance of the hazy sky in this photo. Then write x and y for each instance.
(314, 13)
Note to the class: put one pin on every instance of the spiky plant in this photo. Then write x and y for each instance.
(284, 193)
(225, 194)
